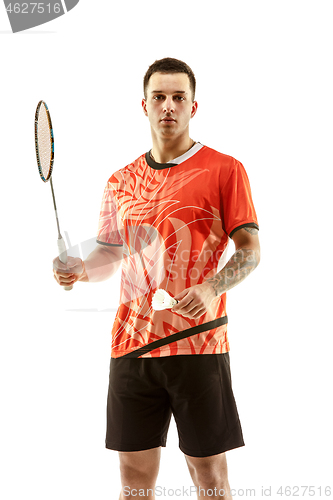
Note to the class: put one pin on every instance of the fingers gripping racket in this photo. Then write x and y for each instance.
(44, 144)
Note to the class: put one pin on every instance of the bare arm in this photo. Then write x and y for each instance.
(100, 265)
(194, 301)
(245, 259)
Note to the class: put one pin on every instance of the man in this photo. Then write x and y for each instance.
(169, 216)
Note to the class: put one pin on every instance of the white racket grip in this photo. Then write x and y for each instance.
(63, 256)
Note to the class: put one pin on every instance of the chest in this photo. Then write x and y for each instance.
(185, 194)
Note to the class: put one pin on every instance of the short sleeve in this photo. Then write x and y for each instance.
(108, 225)
(237, 208)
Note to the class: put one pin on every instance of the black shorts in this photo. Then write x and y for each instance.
(196, 389)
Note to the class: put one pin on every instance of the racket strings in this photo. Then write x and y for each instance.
(44, 143)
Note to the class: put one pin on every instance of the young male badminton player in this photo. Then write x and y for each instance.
(168, 217)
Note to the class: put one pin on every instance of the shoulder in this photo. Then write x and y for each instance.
(222, 158)
(227, 164)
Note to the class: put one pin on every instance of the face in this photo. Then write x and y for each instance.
(169, 104)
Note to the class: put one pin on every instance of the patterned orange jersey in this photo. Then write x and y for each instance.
(174, 221)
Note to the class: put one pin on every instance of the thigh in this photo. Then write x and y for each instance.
(141, 461)
(138, 407)
(215, 464)
(204, 406)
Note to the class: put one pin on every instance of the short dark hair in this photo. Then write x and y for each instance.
(169, 65)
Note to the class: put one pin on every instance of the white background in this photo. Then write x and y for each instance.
(264, 88)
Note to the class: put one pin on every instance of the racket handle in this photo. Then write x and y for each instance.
(63, 256)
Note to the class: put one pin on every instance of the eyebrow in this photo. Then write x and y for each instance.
(162, 92)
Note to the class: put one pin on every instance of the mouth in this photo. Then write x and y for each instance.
(168, 119)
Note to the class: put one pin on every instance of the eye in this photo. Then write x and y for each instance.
(179, 97)
(157, 97)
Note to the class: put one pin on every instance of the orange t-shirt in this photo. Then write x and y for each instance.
(174, 221)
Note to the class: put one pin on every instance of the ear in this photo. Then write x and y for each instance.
(144, 106)
(194, 108)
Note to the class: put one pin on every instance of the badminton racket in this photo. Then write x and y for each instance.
(44, 144)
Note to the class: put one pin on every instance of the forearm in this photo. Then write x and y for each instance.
(100, 265)
(241, 264)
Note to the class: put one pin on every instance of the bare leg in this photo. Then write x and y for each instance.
(210, 473)
(138, 471)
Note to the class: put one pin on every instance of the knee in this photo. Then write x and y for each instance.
(208, 479)
(137, 476)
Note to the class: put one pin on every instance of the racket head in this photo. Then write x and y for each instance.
(44, 141)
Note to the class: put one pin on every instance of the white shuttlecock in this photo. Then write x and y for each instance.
(162, 300)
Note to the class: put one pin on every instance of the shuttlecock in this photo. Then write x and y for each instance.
(162, 300)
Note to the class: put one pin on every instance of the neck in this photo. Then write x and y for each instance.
(165, 150)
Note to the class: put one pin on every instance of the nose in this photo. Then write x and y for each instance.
(168, 106)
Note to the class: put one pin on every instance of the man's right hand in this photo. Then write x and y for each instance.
(68, 274)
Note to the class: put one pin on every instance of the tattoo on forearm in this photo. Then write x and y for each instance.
(241, 264)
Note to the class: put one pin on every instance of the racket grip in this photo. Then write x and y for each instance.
(63, 256)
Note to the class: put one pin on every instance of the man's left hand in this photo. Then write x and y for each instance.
(193, 302)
